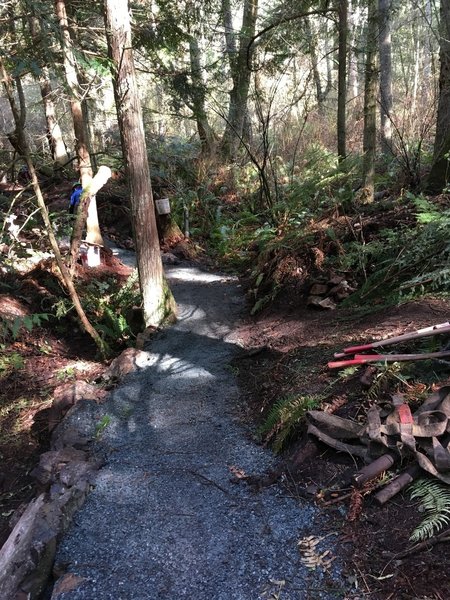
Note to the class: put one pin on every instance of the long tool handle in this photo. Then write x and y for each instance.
(405, 337)
(360, 359)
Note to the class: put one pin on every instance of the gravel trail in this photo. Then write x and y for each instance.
(165, 520)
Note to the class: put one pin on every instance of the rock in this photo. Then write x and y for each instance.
(125, 363)
(145, 336)
(50, 463)
(325, 303)
(66, 583)
(67, 395)
(169, 259)
(76, 472)
(336, 280)
(10, 308)
(318, 289)
(313, 300)
(328, 304)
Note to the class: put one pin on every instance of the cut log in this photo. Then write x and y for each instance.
(397, 484)
(375, 468)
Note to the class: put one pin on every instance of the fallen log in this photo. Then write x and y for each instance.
(375, 468)
(397, 484)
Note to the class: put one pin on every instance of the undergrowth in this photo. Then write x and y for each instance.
(434, 498)
(285, 417)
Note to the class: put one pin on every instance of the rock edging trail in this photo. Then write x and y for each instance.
(165, 520)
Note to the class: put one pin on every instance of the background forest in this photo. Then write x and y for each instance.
(259, 121)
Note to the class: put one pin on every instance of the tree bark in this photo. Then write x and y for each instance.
(93, 235)
(240, 74)
(66, 277)
(384, 12)
(205, 132)
(54, 134)
(370, 104)
(354, 33)
(312, 43)
(342, 80)
(158, 302)
(439, 176)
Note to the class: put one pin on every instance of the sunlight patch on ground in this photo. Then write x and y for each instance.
(197, 275)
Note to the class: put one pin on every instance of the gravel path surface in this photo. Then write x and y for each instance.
(165, 520)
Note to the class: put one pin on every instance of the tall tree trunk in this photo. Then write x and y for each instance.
(93, 235)
(354, 31)
(240, 74)
(66, 277)
(157, 298)
(312, 43)
(342, 80)
(54, 134)
(384, 13)
(205, 132)
(440, 172)
(370, 104)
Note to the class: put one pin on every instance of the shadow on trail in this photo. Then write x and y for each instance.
(165, 521)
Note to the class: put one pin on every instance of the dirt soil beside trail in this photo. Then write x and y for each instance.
(295, 345)
(51, 354)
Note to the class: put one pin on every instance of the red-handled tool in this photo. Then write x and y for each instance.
(360, 359)
(413, 335)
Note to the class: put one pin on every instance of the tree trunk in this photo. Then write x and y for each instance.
(342, 80)
(54, 135)
(240, 74)
(440, 172)
(93, 235)
(354, 32)
(312, 43)
(66, 277)
(205, 133)
(158, 302)
(370, 104)
(384, 8)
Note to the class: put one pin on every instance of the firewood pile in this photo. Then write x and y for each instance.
(327, 293)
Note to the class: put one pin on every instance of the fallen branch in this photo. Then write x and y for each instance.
(444, 536)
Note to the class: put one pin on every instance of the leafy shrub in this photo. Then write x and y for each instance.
(11, 328)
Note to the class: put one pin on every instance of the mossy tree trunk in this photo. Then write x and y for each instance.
(370, 103)
(439, 176)
(342, 79)
(158, 303)
(240, 74)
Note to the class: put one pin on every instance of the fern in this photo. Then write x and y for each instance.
(435, 502)
(284, 417)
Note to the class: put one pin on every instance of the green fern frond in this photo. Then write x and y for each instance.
(284, 417)
(435, 501)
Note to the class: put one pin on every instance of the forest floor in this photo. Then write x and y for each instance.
(288, 347)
